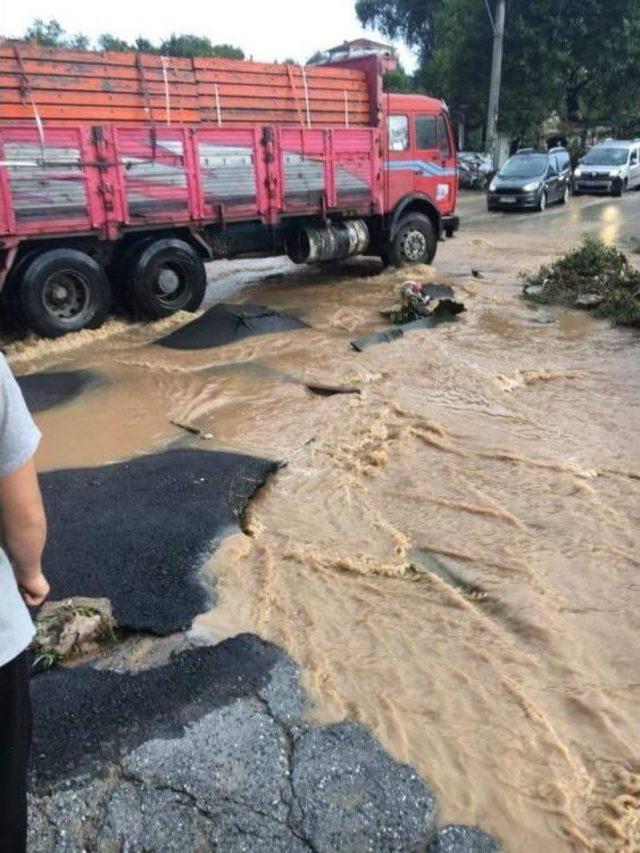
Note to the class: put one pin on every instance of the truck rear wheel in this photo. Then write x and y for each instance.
(166, 276)
(63, 290)
(414, 242)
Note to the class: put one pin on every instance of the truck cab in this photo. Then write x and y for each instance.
(420, 160)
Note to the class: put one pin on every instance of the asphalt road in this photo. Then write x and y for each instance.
(613, 219)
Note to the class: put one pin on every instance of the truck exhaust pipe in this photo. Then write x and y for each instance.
(310, 244)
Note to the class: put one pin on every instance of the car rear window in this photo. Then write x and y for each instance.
(524, 166)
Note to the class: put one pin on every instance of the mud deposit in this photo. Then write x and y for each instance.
(449, 555)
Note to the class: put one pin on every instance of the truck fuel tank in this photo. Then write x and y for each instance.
(309, 243)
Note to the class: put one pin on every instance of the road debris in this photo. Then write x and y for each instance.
(76, 627)
(205, 436)
(422, 306)
(330, 390)
(595, 276)
(226, 323)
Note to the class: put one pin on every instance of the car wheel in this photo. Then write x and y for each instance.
(621, 189)
(566, 195)
(166, 276)
(542, 203)
(415, 241)
(64, 290)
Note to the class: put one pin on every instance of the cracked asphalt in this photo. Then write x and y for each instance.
(220, 759)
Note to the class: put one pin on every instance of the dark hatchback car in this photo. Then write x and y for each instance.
(531, 179)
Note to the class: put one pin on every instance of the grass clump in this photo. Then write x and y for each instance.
(593, 269)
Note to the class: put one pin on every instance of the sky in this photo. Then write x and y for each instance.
(266, 30)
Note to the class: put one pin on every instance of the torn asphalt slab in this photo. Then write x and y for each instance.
(226, 323)
(395, 332)
(138, 532)
(208, 752)
(53, 388)
(85, 717)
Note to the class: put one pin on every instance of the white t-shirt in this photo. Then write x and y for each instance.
(19, 439)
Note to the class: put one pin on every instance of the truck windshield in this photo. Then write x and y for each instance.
(524, 167)
(606, 157)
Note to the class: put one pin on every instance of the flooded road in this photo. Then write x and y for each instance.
(450, 554)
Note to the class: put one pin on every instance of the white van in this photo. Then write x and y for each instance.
(611, 167)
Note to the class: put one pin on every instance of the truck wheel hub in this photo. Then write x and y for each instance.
(65, 294)
(414, 245)
(168, 281)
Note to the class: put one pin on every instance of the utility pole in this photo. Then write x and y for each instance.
(496, 74)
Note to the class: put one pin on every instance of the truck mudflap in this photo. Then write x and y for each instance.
(449, 225)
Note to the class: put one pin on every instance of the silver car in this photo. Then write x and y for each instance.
(610, 167)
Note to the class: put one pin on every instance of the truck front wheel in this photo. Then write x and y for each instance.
(166, 276)
(414, 241)
(63, 290)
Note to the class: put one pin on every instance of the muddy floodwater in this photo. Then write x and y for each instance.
(449, 554)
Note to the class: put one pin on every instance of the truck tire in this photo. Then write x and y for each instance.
(414, 242)
(63, 290)
(166, 276)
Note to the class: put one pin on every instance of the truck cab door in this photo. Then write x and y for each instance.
(399, 171)
(434, 160)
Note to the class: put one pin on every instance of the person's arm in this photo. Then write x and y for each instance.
(24, 530)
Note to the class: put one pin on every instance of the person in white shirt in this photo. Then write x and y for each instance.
(23, 530)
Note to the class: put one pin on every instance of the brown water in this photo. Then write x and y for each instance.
(451, 555)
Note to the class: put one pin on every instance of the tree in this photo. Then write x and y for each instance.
(413, 21)
(579, 59)
(52, 34)
(191, 45)
(108, 42)
(400, 81)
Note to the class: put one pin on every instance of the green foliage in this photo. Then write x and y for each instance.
(191, 45)
(45, 659)
(399, 81)
(593, 268)
(579, 59)
(51, 34)
(108, 42)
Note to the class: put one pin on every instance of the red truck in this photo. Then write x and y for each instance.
(121, 174)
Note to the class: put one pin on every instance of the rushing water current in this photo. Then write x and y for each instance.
(450, 554)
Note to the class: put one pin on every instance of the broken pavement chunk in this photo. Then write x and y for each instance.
(329, 390)
(137, 532)
(52, 388)
(225, 323)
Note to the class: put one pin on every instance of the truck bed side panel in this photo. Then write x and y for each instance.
(106, 179)
(46, 187)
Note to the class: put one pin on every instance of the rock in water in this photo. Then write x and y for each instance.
(589, 300)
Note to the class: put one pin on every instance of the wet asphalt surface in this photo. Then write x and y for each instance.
(85, 717)
(137, 532)
(612, 219)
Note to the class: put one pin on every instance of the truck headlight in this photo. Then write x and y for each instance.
(614, 173)
(531, 186)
